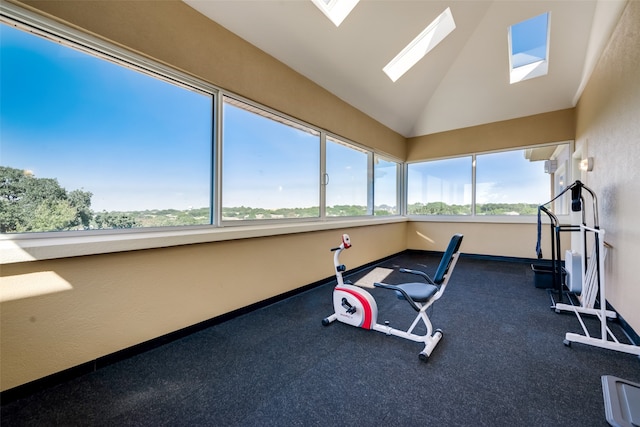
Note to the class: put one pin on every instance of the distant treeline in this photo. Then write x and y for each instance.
(31, 204)
(439, 208)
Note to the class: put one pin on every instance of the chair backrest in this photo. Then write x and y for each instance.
(452, 249)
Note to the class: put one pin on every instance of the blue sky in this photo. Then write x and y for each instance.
(529, 40)
(270, 165)
(138, 142)
(266, 164)
(505, 177)
(102, 128)
(508, 177)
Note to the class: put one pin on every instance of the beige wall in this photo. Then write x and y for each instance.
(499, 239)
(557, 126)
(114, 301)
(608, 129)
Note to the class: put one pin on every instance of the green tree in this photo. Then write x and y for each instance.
(53, 215)
(28, 203)
(115, 220)
(81, 201)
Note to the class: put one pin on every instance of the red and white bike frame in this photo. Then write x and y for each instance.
(355, 306)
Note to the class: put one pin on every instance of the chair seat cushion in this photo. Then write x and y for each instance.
(420, 292)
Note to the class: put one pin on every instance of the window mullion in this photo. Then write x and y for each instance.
(216, 162)
(370, 184)
(473, 185)
(401, 185)
(324, 178)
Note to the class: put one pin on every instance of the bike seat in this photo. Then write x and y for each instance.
(419, 292)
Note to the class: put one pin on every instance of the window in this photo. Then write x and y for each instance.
(270, 165)
(347, 186)
(513, 182)
(336, 10)
(95, 137)
(88, 143)
(529, 48)
(385, 186)
(419, 47)
(439, 187)
(507, 183)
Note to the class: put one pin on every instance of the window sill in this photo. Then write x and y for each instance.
(491, 219)
(43, 246)
(24, 248)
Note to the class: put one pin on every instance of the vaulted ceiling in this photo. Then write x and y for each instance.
(463, 82)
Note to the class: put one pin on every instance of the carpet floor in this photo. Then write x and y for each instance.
(501, 362)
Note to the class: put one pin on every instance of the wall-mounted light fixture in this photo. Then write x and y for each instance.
(586, 165)
(550, 166)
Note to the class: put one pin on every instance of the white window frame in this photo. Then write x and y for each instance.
(25, 247)
(53, 31)
(273, 115)
(357, 147)
(473, 217)
(398, 177)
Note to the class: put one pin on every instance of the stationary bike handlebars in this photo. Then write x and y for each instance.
(346, 243)
(340, 268)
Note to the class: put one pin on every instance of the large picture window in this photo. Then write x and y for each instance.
(513, 182)
(385, 186)
(95, 137)
(90, 144)
(507, 183)
(347, 179)
(270, 165)
(440, 187)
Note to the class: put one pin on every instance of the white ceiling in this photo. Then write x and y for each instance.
(463, 82)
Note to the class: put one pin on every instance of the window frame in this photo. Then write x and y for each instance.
(474, 217)
(24, 247)
(55, 32)
(220, 176)
(471, 156)
(398, 178)
(532, 69)
(357, 147)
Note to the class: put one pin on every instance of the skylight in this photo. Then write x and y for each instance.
(529, 48)
(429, 38)
(336, 10)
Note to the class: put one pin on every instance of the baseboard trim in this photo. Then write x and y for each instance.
(484, 257)
(628, 330)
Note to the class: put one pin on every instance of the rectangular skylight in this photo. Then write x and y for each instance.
(529, 48)
(429, 38)
(336, 10)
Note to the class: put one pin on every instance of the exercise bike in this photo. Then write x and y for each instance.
(355, 306)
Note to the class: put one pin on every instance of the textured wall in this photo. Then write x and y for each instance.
(543, 128)
(499, 239)
(608, 129)
(92, 306)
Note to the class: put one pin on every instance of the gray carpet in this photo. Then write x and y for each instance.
(501, 363)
